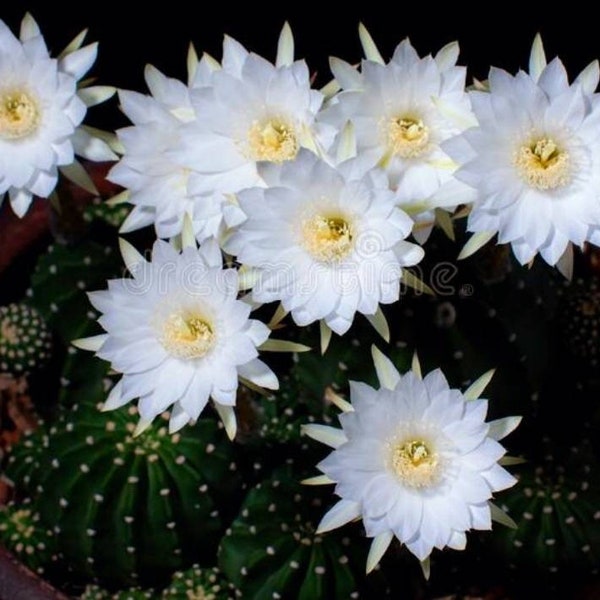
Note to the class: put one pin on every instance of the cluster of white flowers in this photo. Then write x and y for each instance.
(314, 194)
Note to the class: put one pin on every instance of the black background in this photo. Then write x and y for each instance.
(133, 34)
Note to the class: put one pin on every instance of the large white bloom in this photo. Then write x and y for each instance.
(40, 111)
(252, 112)
(327, 242)
(534, 160)
(402, 111)
(178, 334)
(416, 460)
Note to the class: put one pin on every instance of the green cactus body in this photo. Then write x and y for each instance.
(95, 592)
(22, 532)
(112, 215)
(197, 583)
(558, 521)
(127, 508)
(25, 341)
(271, 550)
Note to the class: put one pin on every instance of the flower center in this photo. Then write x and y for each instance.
(407, 137)
(187, 336)
(19, 115)
(543, 165)
(273, 140)
(415, 463)
(328, 239)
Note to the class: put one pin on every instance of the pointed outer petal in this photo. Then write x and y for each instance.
(476, 388)
(409, 279)
(179, 419)
(212, 62)
(480, 516)
(141, 427)
(416, 366)
(131, 257)
(192, 63)
(79, 176)
(380, 324)
(463, 119)
(498, 478)
(510, 461)
(588, 78)
(29, 28)
(114, 399)
(326, 334)
(458, 540)
(79, 62)
(386, 371)
(379, 545)
(227, 415)
(137, 219)
(74, 44)
(91, 147)
(285, 47)
(501, 517)
(317, 480)
(260, 374)
(211, 253)
(343, 512)
(336, 400)
(325, 434)
(426, 568)
(447, 56)
(500, 428)
(331, 89)
(278, 316)
(347, 144)
(92, 343)
(345, 74)
(537, 58)
(272, 345)
(106, 136)
(565, 263)
(96, 94)
(247, 277)
(476, 241)
(368, 45)
(20, 201)
(120, 198)
(188, 238)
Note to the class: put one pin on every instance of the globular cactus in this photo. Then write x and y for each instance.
(271, 550)
(197, 583)
(112, 215)
(25, 340)
(22, 532)
(95, 592)
(557, 509)
(127, 509)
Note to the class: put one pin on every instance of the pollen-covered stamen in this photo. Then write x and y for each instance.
(328, 239)
(543, 165)
(187, 336)
(19, 114)
(407, 137)
(415, 463)
(273, 140)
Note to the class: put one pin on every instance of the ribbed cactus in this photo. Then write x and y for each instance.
(197, 583)
(126, 509)
(271, 550)
(95, 592)
(25, 341)
(22, 532)
(557, 510)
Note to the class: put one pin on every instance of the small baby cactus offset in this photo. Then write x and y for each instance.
(95, 592)
(25, 340)
(197, 582)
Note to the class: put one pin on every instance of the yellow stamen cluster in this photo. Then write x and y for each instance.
(543, 165)
(19, 114)
(414, 463)
(187, 336)
(273, 141)
(407, 137)
(328, 239)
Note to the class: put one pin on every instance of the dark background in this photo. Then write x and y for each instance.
(133, 34)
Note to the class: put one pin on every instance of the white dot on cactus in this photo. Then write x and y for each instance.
(272, 507)
(553, 569)
(180, 460)
(87, 260)
(597, 515)
(232, 466)
(354, 595)
(244, 571)
(98, 497)
(84, 468)
(214, 514)
(297, 497)
(550, 542)
(90, 560)
(458, 355)
(252, 529)
(285, 527)
(171, 525)
(572, 496)
(53, 307)
(547, 510)
(63, 503)
(345, 541)
(91, 532)
(585, 486)
(320, 570)
(132, 479)
(165, 492)
(270, 550)
(276, 595)
(245, 513)
(52, 269)
(128, 519)
(210, 448)
(203, 488)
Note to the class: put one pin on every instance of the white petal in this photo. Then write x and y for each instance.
(343, 512)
